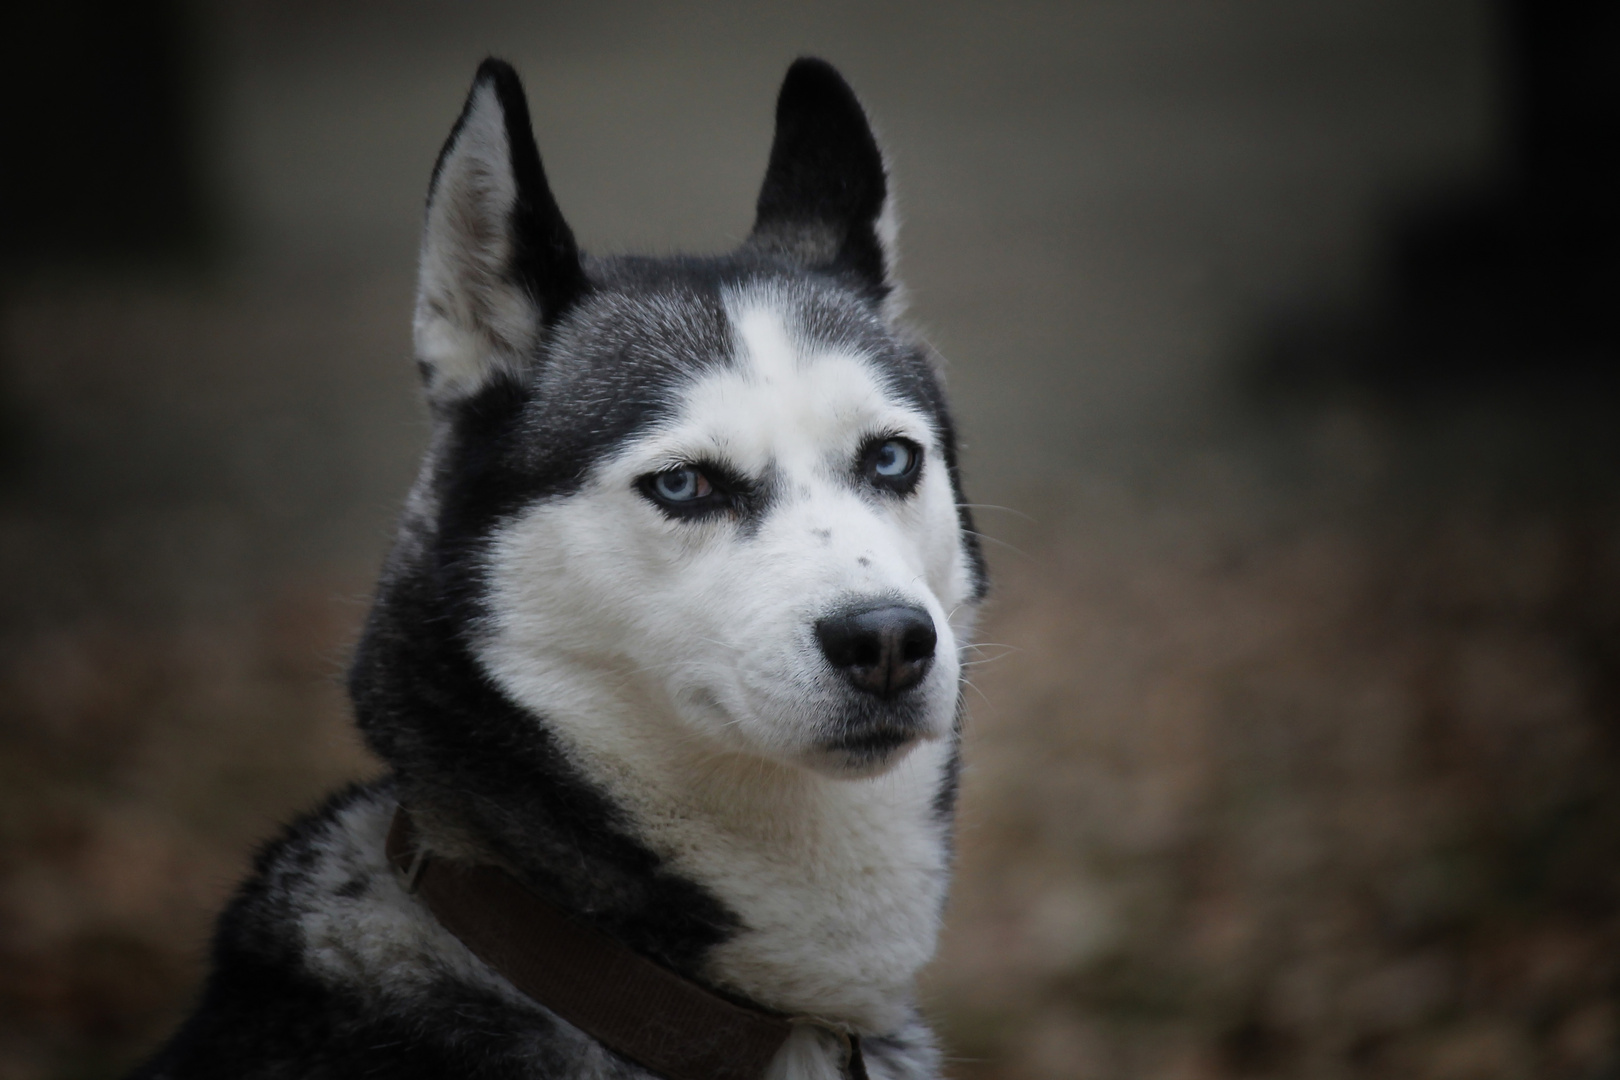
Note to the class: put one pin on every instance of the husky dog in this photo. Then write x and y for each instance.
(671, 634)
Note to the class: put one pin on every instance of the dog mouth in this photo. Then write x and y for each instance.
(874, 743)
(867, 749)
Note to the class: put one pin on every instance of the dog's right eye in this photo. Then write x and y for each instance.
(681, 485)
(685, 490)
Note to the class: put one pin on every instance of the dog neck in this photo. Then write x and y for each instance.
(799, 892)
(837, 884)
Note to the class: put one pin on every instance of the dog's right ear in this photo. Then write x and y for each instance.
(499, 263)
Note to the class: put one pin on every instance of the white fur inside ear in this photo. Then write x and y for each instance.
(472, 317)
(887, 228)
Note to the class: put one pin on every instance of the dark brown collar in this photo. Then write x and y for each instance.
(633, 1006)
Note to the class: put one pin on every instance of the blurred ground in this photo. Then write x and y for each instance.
(1294, 743)
(1328, 799)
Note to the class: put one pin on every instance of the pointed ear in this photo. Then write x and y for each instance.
(825, 202)
(499, 264)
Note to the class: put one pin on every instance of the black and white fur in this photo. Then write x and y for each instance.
(623, 702)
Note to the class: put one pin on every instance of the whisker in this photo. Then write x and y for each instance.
(1003, 509)
(994, 540)
(967, 682)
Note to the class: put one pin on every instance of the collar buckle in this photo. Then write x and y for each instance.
(411, 874)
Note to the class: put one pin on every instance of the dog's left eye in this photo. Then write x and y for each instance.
(892, 463)
(892, 459)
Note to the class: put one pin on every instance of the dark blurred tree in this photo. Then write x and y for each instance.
(1530, 279)
(100, 155)
(99, 129)
(1517, 277)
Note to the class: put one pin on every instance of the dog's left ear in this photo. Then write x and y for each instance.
(825, 201)
(499, 263)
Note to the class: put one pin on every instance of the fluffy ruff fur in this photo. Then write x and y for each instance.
(599, 657)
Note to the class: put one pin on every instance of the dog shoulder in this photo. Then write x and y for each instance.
(324, 966)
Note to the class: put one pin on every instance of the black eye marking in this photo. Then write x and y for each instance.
(693, 490)
(892, 463)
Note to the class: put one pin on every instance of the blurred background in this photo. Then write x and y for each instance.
(1283, 340)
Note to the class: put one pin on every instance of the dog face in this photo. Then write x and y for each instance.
(712, 496)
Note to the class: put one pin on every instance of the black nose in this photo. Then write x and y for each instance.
(882, 650)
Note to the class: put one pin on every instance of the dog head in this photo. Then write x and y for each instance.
(716, 494)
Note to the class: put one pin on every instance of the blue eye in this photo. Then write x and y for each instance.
(893, 459)
(892, 464)
(681, 485)
(689, 492)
